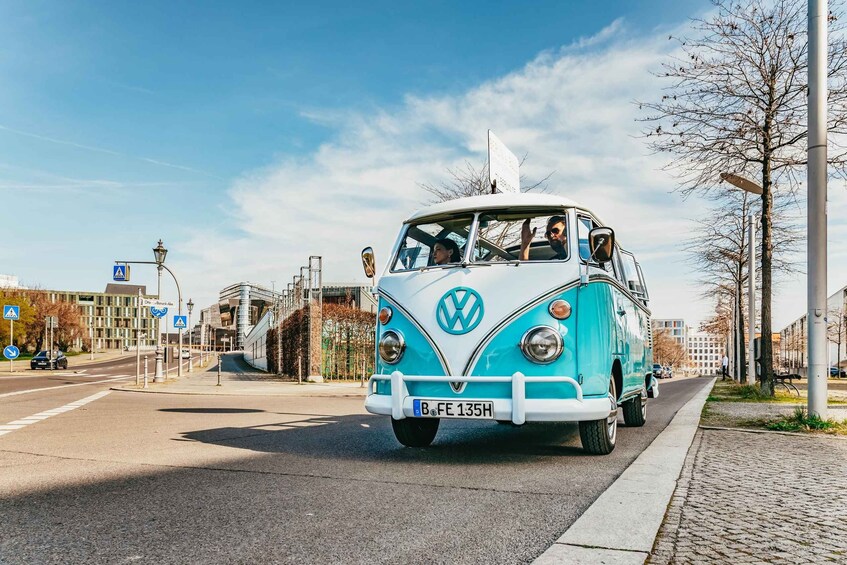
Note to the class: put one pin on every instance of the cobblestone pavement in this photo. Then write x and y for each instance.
(758, 498)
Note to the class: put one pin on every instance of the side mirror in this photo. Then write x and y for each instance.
(601, 242)
(369, 262)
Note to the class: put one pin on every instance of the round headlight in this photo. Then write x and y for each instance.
(391, 346)
(385, 314)
(542, 344)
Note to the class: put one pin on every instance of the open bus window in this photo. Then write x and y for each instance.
(416, 250)
(499, 237)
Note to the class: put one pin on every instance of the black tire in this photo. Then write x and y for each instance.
(415, 432)
(635, 411)
(599, 436)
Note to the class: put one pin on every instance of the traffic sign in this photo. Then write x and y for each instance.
(11, 352)
(120, 273)
(180, 322)
(11, 312)
(155, 303)
(158, 312)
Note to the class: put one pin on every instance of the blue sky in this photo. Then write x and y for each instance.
(233, 131)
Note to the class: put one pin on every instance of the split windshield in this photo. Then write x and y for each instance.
(444, 243)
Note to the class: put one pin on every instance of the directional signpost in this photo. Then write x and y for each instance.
(120, 273)
(11, 313)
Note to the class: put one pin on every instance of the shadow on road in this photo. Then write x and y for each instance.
(211, 410)
(370, 439)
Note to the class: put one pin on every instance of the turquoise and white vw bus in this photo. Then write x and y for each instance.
(536, 315)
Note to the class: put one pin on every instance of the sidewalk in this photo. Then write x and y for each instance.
(752, 496)
(240, 383)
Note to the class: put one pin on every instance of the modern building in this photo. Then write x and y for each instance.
(355, 295)
(705, 352)
(9, 281)
(242, 305)
(675, 328)
(110, 317)
(793, 339)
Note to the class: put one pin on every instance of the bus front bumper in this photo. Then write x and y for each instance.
(518, 409)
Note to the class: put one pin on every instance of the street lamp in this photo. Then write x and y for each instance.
(159, 252)
(753, 188)
(190, 337)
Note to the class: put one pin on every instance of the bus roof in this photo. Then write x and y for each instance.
(495, 201)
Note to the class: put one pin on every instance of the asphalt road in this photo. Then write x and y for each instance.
(157, 478)
(111, 370)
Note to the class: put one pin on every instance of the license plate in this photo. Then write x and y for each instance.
(452, 409)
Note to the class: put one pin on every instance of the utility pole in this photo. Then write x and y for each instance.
(816, 218)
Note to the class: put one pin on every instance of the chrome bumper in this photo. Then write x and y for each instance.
(518, 409)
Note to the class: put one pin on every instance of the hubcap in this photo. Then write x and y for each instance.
(612, 419)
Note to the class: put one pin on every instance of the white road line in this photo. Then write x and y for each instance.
(116, 378)
(23, 422)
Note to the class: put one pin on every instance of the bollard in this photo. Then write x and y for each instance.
(145, 371)
(219, 370)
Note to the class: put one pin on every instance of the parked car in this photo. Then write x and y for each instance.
(834, 372)
(186, 353)
(658, 371)
(43, 360)
(668, 370)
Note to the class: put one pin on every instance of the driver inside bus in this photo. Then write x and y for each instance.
(556, 236)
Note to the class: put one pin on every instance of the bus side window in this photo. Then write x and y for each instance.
(585, 225)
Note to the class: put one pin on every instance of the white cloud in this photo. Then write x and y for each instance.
(572, 111)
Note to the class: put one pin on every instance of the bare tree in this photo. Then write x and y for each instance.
(737, 104)
(835, 330)
(667, 350)
(472, 181)
(719, 251)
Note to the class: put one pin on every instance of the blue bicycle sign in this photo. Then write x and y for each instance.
(158, 312)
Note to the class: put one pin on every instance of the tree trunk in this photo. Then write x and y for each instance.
(741, 368)
(766, 345)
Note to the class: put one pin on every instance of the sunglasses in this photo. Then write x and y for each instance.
(552, 231)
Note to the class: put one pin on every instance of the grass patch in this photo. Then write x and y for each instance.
(731, 391)
(801, 421)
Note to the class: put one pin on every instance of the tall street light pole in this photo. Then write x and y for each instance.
(190, 338)
(816, 212)
(159, 254)
(749, 186)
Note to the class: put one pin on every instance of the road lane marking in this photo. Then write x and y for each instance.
(35, 418)
(116, 378)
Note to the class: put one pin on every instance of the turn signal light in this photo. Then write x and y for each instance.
(560, 309)
(385, 315)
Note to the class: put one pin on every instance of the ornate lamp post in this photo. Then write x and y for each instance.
(159, 254)
(190, 337)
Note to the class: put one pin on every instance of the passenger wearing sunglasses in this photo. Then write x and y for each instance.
(556, 236)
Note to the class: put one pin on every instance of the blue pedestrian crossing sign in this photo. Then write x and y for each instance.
(158, 312)
(11, 312)
(11, 352)
(180, 322)
(120, 273)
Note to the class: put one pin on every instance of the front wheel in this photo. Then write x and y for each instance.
(415, 432)
(635, 411)
(599, 436)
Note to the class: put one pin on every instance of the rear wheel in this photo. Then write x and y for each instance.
(415, 432)
(635, 410)
(599, 436)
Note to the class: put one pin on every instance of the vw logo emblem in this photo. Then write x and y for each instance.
(459, 311)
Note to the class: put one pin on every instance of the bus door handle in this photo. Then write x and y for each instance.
(621, 311)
